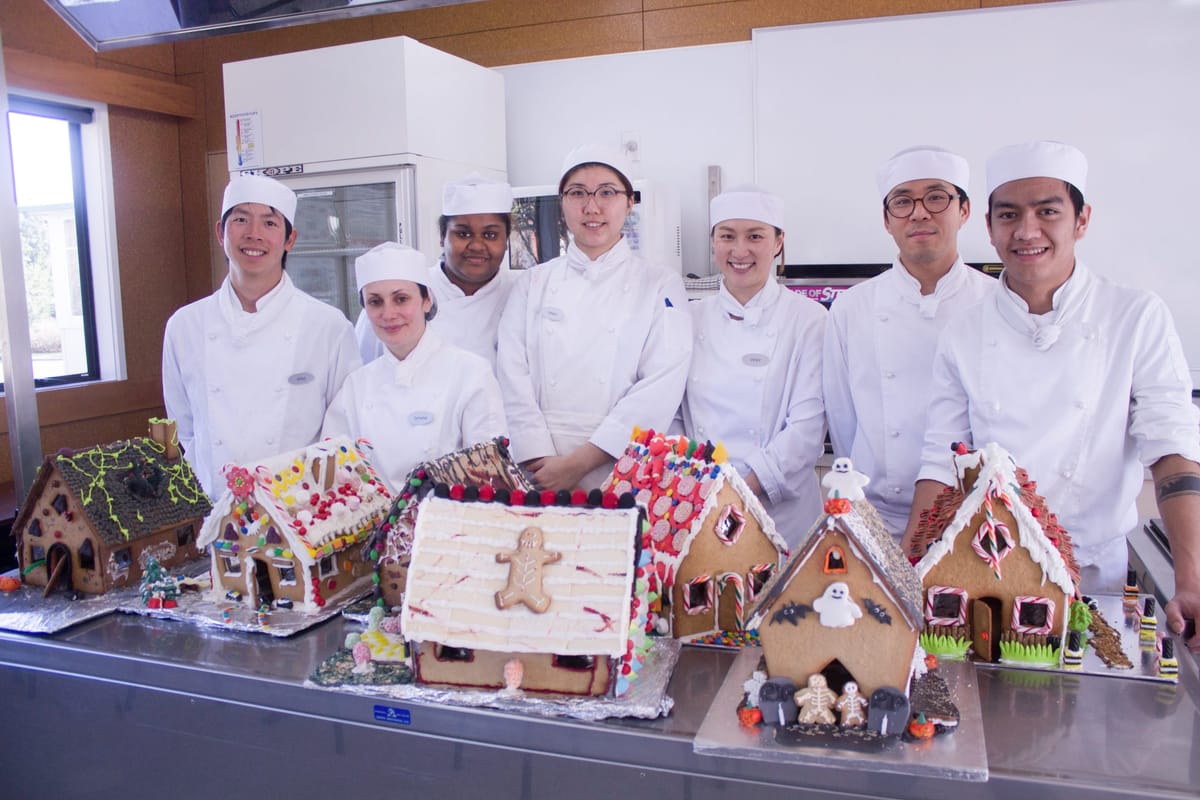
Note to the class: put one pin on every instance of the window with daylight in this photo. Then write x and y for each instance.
(62, 174)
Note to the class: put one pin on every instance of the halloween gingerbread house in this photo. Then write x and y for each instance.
(714, 546)
(94, 517)
(997, 569)
(527, 597)
(485, 468)
(847, 607)
(290, 532)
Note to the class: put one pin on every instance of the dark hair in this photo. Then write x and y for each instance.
(562, 184)
(429, 315)
(444, 222)
(1072, 192)
(287, 230)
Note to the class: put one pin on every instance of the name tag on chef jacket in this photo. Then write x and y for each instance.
(755, 360)
(420, 418)
(301, 378)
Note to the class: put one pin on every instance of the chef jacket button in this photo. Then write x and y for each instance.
(612, 328)
(889, 374)
(995, 407)
(212, 336)
(895, 434)
(218, 442)
(1066, 473)
(992, 343)
(270, 441)
(758, 378)
(214, 389)
(601, 379)
(625, 288)
(751, 431)
(895, 490)
(700, 429)
(701, 337)
(883, 317)
(279, 388)
(1080, 405)
(771, 334)
(554, 381)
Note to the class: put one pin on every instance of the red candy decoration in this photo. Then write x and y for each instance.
(609, 500)
(547, 497)
(456, 491)
(486, 493)
(517, 498)
(579, 497)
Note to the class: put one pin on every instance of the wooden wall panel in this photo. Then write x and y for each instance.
(494, 15)
(546, 42)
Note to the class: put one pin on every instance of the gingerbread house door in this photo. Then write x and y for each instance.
(58, 568)
(264, 592)
(985, 628)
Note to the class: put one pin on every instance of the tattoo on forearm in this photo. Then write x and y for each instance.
(1180, 483)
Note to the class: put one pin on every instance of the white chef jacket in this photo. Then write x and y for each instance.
(590, 349)
(755, 386)
(466, 321)
(879, 346)
(439, 399)
(244, 386)
(1083, 415)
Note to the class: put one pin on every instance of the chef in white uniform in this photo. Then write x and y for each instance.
(249, 370)
(1082, 380)
(755, 381)
(423, 397)
(594, 342)
(882, 333)
(468, 283)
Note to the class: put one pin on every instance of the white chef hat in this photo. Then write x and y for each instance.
(475, 194)
(748, 202)
(1041, 159)
(597, 154)
(391, 262)
(260, 189)
(923, 162)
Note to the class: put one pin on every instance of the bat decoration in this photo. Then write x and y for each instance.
(792, 612)
(877, 611)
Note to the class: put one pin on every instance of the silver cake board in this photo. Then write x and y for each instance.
(961, 755)
(647, 697)
(26, 611)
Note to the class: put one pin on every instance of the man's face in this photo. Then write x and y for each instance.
(927, 239)
(253, 239)
(473, 248)
(1033, 227)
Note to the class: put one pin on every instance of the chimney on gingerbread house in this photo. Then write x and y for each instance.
(163, 433)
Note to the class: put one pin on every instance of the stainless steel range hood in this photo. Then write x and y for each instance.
(111, 24)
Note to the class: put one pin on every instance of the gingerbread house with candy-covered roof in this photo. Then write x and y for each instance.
(289, 532)
(997, 569)
(714, 545)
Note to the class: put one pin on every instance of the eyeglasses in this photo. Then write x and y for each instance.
(604, 194)
(935, 201)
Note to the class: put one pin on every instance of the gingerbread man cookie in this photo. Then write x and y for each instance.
(525, 573)
(816, 701)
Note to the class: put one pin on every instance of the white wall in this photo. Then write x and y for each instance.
(689, 107)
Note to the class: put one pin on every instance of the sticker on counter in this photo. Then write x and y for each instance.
(396, 716)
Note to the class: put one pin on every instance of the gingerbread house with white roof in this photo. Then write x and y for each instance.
(714, 545)
(289, 531)
(529, 598)
(995, 565)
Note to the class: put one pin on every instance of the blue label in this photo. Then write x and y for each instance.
(301, 378)
(421, 418)
(396, 716)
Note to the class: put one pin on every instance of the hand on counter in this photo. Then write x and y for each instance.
(1177, 490)
(566, 471)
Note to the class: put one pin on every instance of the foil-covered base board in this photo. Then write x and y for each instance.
(26, 611)
(961, 755)
(647, 697)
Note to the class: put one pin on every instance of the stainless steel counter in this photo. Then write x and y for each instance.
(129, 705)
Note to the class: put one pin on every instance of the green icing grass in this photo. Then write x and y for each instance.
(1029, 653)
(942, 646)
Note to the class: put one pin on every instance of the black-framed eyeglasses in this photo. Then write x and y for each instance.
(604, 194)
(935, 201)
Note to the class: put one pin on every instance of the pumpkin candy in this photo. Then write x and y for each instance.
(749, 716)
(921, 728)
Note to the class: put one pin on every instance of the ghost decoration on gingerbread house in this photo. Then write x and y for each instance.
(843, 481)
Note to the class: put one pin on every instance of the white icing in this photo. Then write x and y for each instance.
(836, 607)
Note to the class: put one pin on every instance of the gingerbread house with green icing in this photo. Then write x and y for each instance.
(486, 466)
(290, 532)
(714, 546)
(998, 571)
(95, 517)
(527, 596)
(846, 607)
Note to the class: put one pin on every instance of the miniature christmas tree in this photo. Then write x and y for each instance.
(159, 590)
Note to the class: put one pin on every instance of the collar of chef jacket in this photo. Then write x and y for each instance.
(751, 313)
(578, 260)
(405, 373)
(244, 323)
(1044, 329)
(909, 288)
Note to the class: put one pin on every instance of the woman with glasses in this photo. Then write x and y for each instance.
(755, 382)
(594, 342)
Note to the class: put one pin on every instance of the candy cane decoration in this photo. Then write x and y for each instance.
(931, 616)
(738, 593)
(993, 532)
(753, 578)
(1032, 629)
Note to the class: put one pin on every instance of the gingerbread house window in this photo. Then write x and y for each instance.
(60, 503)
(273, 536)
(35, 528)
(698, 595)
(232, 565)
(87, 555)
(230, 532)
(835, 560)
(123, 559)
(578, 663)
(287, 574)
(1033, 615)
(185, 535)
(37, 553)
(443, 653)
(327, 566)
(757, 578)
(729, 525)
(946, 605)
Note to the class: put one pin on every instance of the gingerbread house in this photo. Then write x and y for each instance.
(846, 607)
(94, 517)
(466, 472)
(714, 546)
(289, 532)
(998, 571)
(527, 597)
